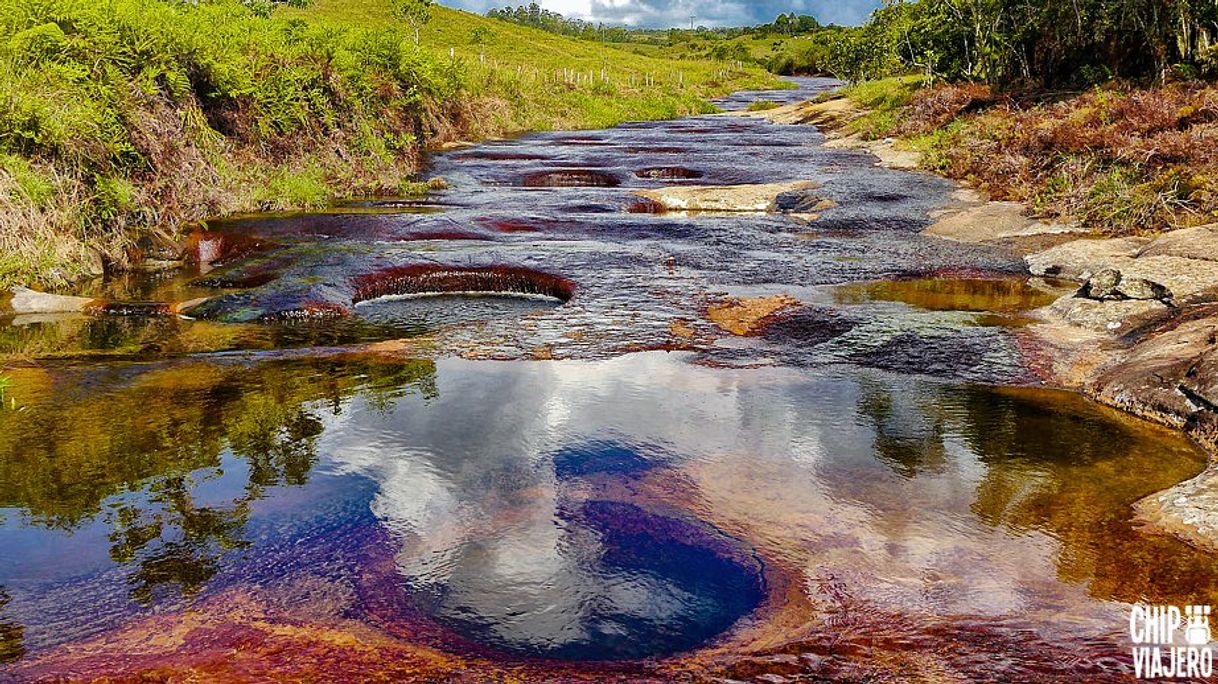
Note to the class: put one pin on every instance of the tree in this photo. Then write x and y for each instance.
(416, 12)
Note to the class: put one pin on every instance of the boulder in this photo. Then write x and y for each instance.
(1141, 288)
(1103, 286)
(1078, 257)
(1111, 285)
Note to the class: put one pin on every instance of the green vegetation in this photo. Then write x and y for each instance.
(1039, 43)
(5, 401)
(1089, 111)
(557, 82)
(120, 115)
(762, 105)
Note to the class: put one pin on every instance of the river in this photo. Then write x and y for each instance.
(331, 470)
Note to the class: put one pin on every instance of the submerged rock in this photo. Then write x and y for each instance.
(26, 300)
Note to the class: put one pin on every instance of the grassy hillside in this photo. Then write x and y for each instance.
(118, 117)
(549, 81)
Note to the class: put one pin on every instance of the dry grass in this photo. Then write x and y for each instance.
(1119, 159)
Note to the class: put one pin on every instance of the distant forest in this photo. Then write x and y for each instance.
(537, 17)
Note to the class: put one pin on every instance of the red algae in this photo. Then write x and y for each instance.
(509, 226)
(571, 178)
(431, 278)
(668, 173)
(213, 247)
(645, 205)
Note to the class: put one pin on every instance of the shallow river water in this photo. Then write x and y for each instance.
(579, 477)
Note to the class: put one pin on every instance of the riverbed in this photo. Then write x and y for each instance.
(493, 434)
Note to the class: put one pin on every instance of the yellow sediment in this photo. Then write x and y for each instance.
(748, 316)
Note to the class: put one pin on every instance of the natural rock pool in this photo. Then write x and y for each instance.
(494, 436)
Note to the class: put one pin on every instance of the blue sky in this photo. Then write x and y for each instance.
(665, 13)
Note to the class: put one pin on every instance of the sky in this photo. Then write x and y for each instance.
(667, 13)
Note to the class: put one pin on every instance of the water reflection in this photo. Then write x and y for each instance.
(11, 634)
(596, 511)
(144, 450)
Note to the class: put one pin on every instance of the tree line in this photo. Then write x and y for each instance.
(535, 16)
(1037, 43)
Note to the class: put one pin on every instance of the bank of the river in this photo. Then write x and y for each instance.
(1140, 334)
(123, 120)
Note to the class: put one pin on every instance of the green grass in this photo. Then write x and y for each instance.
(884, 99)
(762, 105)
(526, 79)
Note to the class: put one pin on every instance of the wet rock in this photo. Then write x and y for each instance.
(26, 300)
(156, 246)
(890, 156)
(668, 173)
(437, 278)
(745, 317)
(1188, 511)
(809, 326)
(953, 356)
(724, 198)
(571, 178)
(800, 202)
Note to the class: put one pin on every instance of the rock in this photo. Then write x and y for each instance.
(748, 316)
(1182, 277)
(95, 262)
(1115, 317)
(725, 198)
(989, 221)
(1188, 511)
(157, 246)
(1141, 288)
(1103, 286)
(26, 300)
(1111, 285)
(796, 202)
(1200, 242)
(1073, 259)
(889, 156)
